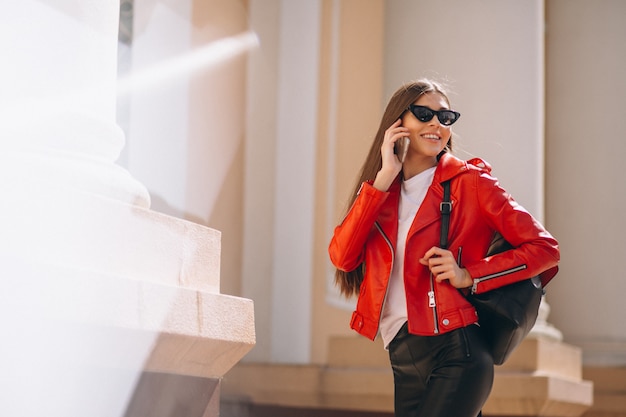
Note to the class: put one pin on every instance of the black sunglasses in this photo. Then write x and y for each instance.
(424, 114)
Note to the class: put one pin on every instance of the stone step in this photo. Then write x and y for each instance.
(100, 291)
(609, 384)
(534, 355)
(370, 389)
(84, 231)
(225, 333)
(544, 356)
(518, 394)
(310, 386)
(357, 351)
(93, 335)
(121, 322)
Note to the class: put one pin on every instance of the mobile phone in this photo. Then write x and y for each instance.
(401, 147)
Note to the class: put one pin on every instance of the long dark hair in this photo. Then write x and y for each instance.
(349, 282)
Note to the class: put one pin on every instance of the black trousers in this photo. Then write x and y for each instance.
(440, 376)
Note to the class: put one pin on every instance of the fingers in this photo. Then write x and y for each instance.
(441, 263)
(447, 275)
(444, 267)
(395, 132)
(435, 252)
(391, 165)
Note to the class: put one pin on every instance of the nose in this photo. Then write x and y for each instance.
(435, 121)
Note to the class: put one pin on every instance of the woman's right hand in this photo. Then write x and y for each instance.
(391, 165)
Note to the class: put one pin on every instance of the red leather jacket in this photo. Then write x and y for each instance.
(480, 207)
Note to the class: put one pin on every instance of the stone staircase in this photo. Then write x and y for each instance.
(108, 304)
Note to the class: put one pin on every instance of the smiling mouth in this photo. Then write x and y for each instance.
(431, 136)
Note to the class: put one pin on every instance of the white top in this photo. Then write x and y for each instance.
(394, 313)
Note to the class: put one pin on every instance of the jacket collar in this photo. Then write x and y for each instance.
(448, 167)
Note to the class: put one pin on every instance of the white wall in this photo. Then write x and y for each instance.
(490, 52)
(260, 172)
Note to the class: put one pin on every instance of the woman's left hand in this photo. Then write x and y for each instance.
(443, 266)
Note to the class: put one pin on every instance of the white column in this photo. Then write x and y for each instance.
(260, 160)
(157, 90)
(295, 180)
(58, 97)
(59, 142)
(278, 253)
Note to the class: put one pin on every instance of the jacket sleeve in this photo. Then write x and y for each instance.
(536, 251)
(347, 246)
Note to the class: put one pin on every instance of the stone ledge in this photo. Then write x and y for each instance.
(82, 231)
(534, 355)
(609, 390)
(98, 269)
(225, 334)
(357, 351)
(286, 385)
(545, 357)
(117, 321)
(518, 394)
(371, 389)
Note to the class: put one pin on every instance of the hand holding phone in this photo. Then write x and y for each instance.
(401, 148)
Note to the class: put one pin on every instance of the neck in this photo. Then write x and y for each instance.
(417, 165)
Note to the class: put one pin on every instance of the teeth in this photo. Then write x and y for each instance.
(431, 136)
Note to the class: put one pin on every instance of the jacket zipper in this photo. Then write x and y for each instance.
(393, 256)
(432, 303)
(496, 275)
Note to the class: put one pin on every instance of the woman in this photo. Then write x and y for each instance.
(410, 291)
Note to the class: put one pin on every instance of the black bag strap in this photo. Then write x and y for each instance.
(446, 209)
